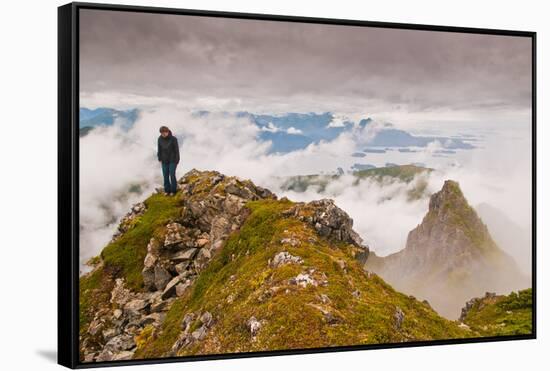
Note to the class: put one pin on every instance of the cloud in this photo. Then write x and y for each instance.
(293, 130)
(270, 127)
(274, 65)
(116, 169)
(337, 122)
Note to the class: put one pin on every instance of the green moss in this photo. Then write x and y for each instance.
(93, 261)
(502, 315)
(144, 336)
(94, 293)
(292, 316)
(125, 255)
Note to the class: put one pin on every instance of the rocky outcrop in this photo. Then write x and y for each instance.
(188, 336)
(330, 222)
(450, 257)
(213, 207)
(488, 297)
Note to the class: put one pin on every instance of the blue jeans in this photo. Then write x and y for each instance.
(169, 174)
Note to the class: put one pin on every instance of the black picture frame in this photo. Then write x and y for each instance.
(68, 179)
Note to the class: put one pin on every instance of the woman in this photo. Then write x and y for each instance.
(169, 155)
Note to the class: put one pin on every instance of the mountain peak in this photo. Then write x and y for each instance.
(449, 257)
(449, 196)
(450, 214)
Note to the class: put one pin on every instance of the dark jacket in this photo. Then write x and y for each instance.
(168, 149)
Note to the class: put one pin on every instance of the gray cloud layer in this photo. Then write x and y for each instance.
(188, 56)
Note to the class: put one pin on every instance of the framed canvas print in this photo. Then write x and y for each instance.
(236, 185)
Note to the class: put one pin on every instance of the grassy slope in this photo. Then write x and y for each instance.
(405, 173)
(502, 315)
(95, 292)
(290, 315)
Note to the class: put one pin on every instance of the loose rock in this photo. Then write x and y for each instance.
(284, 257)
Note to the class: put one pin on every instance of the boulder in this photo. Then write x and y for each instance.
(174, 235)
(151, 259)
(328, 220)
(303, 280)
(170, 289)
(187, 254)
(201, 242)
(219, 228)
(206, 319)
(148, 275)
(233, 204)
(284, 257)
(162, 277)
(233, 188)
(187, 320)
(254, 326)
(398, 317)
(119, 343)
(120, 295)
(117, 313)
(95, 327)
(202, 258)
(290, 241)
(136, 306)
(182, 267)
(199, 333)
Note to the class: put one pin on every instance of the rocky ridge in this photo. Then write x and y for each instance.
(210, 207)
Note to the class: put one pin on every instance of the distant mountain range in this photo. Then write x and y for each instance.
(294, 131)
(91, 118)
(391, 172)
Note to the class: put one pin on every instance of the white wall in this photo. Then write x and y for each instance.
(28, 185)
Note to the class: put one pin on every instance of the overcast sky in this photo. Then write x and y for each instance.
(135, 59)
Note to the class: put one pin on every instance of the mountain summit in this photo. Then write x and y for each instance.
(224, 266)
(450, 257)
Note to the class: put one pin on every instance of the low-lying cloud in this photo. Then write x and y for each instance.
(119, 168)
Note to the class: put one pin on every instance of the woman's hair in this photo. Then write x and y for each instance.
(164, 128)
